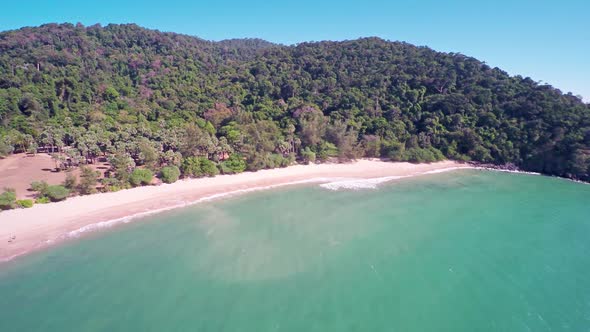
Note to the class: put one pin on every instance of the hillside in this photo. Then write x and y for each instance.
(146, 98)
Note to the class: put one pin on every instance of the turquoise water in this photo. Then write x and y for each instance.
(460, 251)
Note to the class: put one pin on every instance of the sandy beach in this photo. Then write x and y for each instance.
(43, 225)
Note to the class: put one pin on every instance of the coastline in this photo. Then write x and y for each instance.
(44, 225)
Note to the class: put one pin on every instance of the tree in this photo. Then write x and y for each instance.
(88, 146)
(344, 139)
(420, 155)
(113, 184)
(56, 193)
(128, 94)
(171, 158)
(208, 168)
(148, 154)
(219, 113)
(32, 149)
(198, 167)
(327, 150)
(8, 199)
(197, 142)
(234, 164)
(42, 200)
(53, 137)
(170, 174)
(141, 177)
(308, 156)
(59, 160)
(111, 94)
(40, 187)
(53, 193)
(5, 147)
(88, 180)
(121, 164)
(312, 125)
(24, 203)
(394, 150)
(371, 146)
(71, 181)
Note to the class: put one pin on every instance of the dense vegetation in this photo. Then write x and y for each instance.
(155, 103)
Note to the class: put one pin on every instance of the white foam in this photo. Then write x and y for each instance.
(133, 217)
(358, 184)
(373, 183)
(444, 170)
(506, 170)
(573, 180)
(327, 183)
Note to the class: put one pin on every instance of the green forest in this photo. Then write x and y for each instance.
(162, 103)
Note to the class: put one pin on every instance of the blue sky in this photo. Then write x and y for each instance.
(546, 40)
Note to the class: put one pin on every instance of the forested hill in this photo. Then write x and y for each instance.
(154, 99)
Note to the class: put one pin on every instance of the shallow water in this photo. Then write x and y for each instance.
(461, 251)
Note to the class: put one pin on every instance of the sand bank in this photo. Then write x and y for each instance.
(44, 225)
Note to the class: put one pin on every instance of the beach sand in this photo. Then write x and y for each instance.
(45, 224)
(17, 171)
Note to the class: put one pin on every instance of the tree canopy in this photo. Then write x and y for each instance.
(144, 98)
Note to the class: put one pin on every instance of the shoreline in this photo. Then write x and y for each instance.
(44, 225)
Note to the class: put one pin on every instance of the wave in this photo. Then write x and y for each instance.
(373, 183)
(133, 217)
(358, 184)
(574, 180)
(123, 220)
(330, 183)
(444, 170)
(505, 170)
(531, 173)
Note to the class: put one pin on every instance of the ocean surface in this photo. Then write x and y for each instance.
(460, 251)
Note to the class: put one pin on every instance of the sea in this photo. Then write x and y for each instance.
(465, 250)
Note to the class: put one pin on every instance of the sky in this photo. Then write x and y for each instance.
(548, 41)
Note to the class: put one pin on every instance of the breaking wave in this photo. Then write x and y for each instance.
(358, 184)
(326, 183)
(373, 183)
(505, 170)
(133, 217)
